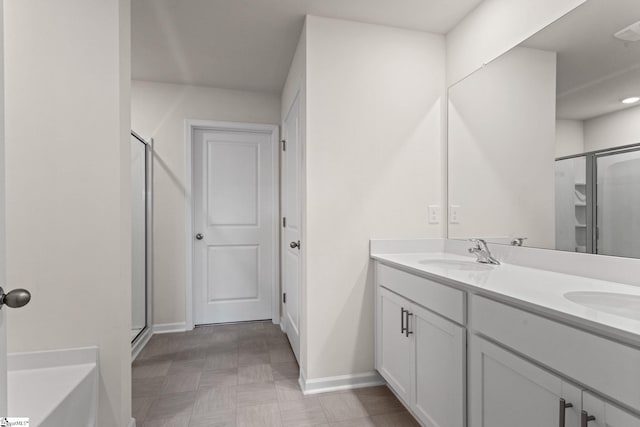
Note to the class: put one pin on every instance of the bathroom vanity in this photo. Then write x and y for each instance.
(469, 344)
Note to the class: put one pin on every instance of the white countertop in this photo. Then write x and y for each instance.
(535, 289)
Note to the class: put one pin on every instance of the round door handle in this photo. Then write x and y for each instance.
(199, 236)
(294, 245)
(15, 299)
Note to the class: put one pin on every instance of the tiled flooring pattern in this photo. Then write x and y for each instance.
(243, 375)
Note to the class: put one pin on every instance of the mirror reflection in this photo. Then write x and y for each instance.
(544, 141)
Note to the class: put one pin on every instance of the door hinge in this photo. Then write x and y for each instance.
(284, 221)
(284, 298)
(284, 145)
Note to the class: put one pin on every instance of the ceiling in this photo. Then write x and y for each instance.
(249, 44)
(595, 70)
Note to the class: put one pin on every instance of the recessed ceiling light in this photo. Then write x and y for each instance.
(631, 100)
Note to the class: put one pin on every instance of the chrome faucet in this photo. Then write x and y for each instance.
(481, 250)
(518, 241)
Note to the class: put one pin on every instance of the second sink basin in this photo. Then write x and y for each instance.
(623, 305)
(450, 264)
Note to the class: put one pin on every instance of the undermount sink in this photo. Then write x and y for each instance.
(623, 305)
(451, 264)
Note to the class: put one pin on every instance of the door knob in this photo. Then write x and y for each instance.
(15, 299)
(199, 236)
(294, 245)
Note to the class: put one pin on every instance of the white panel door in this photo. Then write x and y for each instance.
(395, 358)
(507, 391)
(234, 215)
(291, 226)
(605, 414)
(440, 366)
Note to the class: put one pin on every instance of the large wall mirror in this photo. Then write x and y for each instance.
(544, 141)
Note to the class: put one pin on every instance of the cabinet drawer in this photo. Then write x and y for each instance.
(446, 301)
(607, 366)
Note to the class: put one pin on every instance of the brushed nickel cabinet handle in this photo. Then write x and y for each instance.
(585, 418)
(562, 412)
(407, 331)
(402, 327)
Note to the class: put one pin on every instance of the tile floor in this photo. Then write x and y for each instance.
(243, 375)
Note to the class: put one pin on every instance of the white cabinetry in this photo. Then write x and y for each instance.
(421, 355)
(507, 391)
(394, 357)
(439, 349)
(523, 368)
(605, 414)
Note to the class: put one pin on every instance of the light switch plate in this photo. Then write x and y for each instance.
(434, 214)
(454, 214)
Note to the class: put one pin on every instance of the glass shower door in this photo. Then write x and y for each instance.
(139, 237)
(618, 203)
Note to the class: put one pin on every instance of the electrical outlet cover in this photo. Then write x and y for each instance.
(454, 214)
(434, 214)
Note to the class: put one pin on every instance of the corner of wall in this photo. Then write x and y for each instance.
(124, 52)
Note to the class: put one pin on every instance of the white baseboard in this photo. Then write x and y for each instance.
(132, 423)
(165, 328)
(140, 343)
(341, 382)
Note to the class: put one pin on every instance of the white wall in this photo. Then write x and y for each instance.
(496, 26)
(569, 137)
(612, 130)
(502, 149)
(68, 184)
(374, 141)
(599, 133)
(159, 111)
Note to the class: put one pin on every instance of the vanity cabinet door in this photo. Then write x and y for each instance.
(439, 369)
(394, 358)
(606, 415)
(507, 391)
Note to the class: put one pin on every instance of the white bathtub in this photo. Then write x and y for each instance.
(54, 388)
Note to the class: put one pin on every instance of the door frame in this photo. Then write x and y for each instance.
(191, 126)
(145, 335)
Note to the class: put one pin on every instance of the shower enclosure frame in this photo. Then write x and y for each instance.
(143, 337)
(591, 159)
